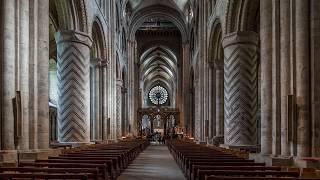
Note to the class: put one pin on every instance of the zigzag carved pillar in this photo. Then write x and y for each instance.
(240, 88)
(73, 51)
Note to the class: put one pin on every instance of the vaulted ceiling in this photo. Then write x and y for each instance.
(161, 27)
(139, 4)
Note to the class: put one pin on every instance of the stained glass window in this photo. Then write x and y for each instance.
(158, 95)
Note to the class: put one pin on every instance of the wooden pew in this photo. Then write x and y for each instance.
(5, 176)
(197, 168)
(99, 161)
(92, 173)
(249, 173)
(103, 174)
(255, 178)
(108, 164)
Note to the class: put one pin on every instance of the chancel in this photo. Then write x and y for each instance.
(159, 89)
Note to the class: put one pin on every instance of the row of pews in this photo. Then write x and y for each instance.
(200, 162)
(98, 161)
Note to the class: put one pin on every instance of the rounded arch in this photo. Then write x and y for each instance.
(70, 15)
(98, 37)
(139, 17)
(215, 45)
(242, 16)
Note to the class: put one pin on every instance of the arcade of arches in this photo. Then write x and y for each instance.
(232, 73)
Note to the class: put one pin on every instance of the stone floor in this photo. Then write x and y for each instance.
(155, 163)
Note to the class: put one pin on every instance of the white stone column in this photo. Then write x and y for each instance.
(219, 98)
(73, 52)
(24, 71)
(105, 103)
(184, 113)
(276, 105)
(97, 99)
(124, 125)
(119, 109)
(8, 74)
(43, 67)
(303, 76)
(212, 101)
(240, 88)
(266, 75)
(284, 73)
(315, 78)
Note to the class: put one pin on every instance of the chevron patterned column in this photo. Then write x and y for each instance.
(240, 88)
(73, 51)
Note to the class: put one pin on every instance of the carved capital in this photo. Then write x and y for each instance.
(241, 37)
(73, 36)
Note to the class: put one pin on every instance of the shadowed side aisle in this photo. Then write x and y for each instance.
(155, 163)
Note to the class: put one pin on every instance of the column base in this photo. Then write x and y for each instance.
(8, 157)
(310, 162)
(31, 155)
(271, 160)
(247, 148)
(76, 144)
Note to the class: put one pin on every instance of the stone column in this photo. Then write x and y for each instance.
(212, 101)
(266, 75)
(284, 73)
(97, 98)
(73, 51)
(43, 66)
(219, 98)
(240, 88)
(276, 104)
(105, 103)
(8, 74)
(315, 78)
(124, 129)
(119, 109)
(303, 77)
(23, 57)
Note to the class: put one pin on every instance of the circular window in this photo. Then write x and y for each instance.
(158, 95)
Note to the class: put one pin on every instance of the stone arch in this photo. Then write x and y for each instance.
(98, 38)
(70, 14)
(97, 54)
(215, 51)
(158, 11)
(216, 79)
(241, 15)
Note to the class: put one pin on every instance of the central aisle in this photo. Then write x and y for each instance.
(155, 163)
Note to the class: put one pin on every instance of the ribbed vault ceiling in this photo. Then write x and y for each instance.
(138, 4)
(158, 64)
